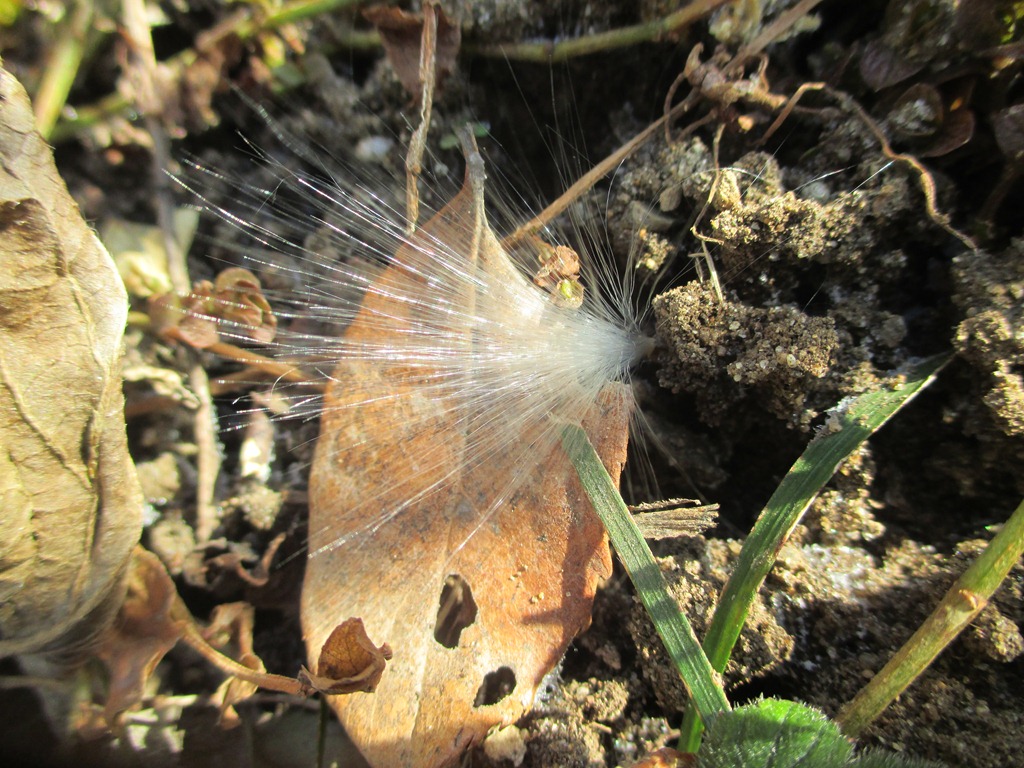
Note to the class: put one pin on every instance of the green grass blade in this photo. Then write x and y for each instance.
(849, 424)
(701, 681)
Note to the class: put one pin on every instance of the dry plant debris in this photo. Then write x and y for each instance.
(930, 87)
(476, 611)
(72, 504)
(401, 32)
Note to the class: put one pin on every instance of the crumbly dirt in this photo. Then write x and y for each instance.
(833, 275)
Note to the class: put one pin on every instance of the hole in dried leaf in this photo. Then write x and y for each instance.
(456, 610)
(496, 686)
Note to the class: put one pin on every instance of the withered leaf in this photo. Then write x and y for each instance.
(232, 624)
(349, 661)
(140, 253)
(980, 24)
(145, 631)
(71, 499)
(935, 122)
(239, 299)
(957, 130)
(235, 302)
(153, 619)
(918, 111)
(401, 33)
(529, 561)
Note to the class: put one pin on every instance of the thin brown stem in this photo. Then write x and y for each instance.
(788, 109)
(141, 68)
(924, 178)
(418, 143)
(193, 637)
(267, 365)
(590, 178)
(715, 183)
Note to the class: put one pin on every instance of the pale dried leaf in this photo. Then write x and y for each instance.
(140, 253)
(71, 499)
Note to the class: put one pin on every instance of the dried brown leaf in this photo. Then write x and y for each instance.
(530, 567)
(981, 24)
(401, 32)
(349, 661)
(71, 499)
(918, 112)
(145, 631)
(239, 299)
(235, 301)
(234, 561)
(936, 122)
(957, 130)
(153, 619)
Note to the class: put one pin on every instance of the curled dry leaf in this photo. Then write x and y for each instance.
(479, 591)
(145, 631)
(152, 620)
(401, 33)
(349, 662)
(235, 301)
(235, 562)
(934, 122)
(71, 499)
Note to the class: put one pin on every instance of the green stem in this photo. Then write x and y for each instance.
(289, 13)
(547, 51)
(701, 681)
(964, 600)
(848, 426)
(62, 67)
(550, 51)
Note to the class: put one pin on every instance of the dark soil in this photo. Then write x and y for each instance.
(833, 273)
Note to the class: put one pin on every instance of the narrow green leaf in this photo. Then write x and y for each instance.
(682, 645)
(846, 428)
